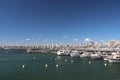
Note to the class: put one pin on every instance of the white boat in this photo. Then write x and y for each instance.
(106, 57)
(114, 58)
(96, 56)
(28, 50)
(85, 54)
(63, 52)
(74, 54)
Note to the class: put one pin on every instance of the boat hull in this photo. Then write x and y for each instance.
(75, 55)
(114, 60)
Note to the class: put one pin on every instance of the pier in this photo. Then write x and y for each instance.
(46, 51)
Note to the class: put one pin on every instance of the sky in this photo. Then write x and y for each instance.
(37, 22)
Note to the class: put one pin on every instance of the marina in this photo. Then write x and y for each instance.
(105, 54)
(59, 40)
(110, 54)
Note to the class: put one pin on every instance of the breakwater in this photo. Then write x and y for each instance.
(47, 51)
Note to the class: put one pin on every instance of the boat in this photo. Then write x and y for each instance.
(105, 57)
(63, 52)
(85, 55)
(114, 58)
(29, 50)
(96, 55)
(74, 54)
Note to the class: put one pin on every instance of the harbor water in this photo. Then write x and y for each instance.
(24, 66)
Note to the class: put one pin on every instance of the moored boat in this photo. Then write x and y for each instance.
(96, 56)
(85, 55)
(63, 52)
(106, 55)
(114, 58)
(74, 54)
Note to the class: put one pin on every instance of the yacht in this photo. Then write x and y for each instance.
(74, 54)
(114, 57)
(63, 52)
(29, 50)
(105, 57)
(96, 55)
(85, 54)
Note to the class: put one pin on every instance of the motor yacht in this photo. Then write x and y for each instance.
(74, 54)
(63, 52)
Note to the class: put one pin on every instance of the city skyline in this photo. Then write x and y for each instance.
(28, 22)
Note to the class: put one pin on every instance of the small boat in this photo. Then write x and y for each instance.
(74, 54)
(63, 52)
(105, 58)
(114, 58)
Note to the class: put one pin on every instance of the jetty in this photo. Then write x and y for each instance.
(47, 51)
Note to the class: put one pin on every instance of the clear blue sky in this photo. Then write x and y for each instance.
(43, 21)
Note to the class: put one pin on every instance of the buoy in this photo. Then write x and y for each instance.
(89, 62)
(46, 65)
(34, 57)
(105, 64)
(23, 66)
(50, 57)
(72, 61)
(57, 65)
(65, 60)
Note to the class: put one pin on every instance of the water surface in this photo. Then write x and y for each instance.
(80, 69)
